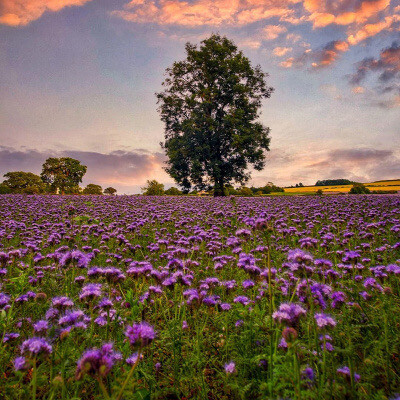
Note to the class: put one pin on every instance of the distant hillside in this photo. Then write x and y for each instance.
(389, 184)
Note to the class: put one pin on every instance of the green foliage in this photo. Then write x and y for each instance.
(62, 173)
(23, 182)
(210, 108)
(333, 182)
(73, 190)
(319, 192)
(268, 188)
(153, 188)
(173, 191)
(245, 191)
(4, 189)
(91, 188)
(110, 191)
(359, 188)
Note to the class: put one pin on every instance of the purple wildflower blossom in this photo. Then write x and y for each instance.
(141, 334)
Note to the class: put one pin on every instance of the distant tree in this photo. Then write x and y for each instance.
(245, 191)
(110, 191)
(24, 182)
(153, 188)
(210, 108)
(91, 188)
(173, 191)
(319, 192)
(333, 182)
(359, 188)
(267, 189)
(62, 173)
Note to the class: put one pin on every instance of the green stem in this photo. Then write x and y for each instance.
(103, 388)
(128, 377)
(34, 379)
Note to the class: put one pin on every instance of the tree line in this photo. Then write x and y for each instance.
(155, 188)
(59, 176)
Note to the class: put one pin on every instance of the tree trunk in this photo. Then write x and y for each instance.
(219, 188)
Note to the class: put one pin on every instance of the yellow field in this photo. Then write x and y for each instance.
(381, 185)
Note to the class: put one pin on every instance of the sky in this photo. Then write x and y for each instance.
(78, 78)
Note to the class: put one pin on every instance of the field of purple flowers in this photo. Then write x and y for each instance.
(136, 297)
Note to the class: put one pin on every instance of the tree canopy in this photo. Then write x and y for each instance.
(173, 191)
(210, 107)
(110, 191)
(333, 182)
(62, 173)
(359, 188)
(23, 182)
(91, 188)
(153, 188)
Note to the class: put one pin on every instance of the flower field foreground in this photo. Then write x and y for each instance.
(134, 297)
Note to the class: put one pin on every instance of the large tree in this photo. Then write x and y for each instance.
(63, 173)
(23, 182)
(210, 106)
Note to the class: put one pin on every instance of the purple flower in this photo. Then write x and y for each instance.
(247, 284)
(20, 364)
(225, 306)
(324, 321)
(35, 346)
(90, 291)
(61, 302)
(97, 361)
(289, 313)
(8, 337)
(41, 326)
(133, 359)
(230, 368)
(4, 300)
(308, 374)
(299, 256)
(141, 334)
(345, 371)
(242, 300)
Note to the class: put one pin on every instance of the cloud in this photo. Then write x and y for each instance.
(358, 164)
(203, 12)
(387, 65)
(22, 12)
(125, 170)
(271, 32)
(343, 12)
(370, 30)
(281, 51)
(386, 68)
(328, 54)
(317, 59)
(358, 90)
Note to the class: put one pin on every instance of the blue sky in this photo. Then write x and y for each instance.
(78, 77)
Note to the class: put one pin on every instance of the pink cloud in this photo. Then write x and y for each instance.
(204, 12)
(281, 51)
(22, 12)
